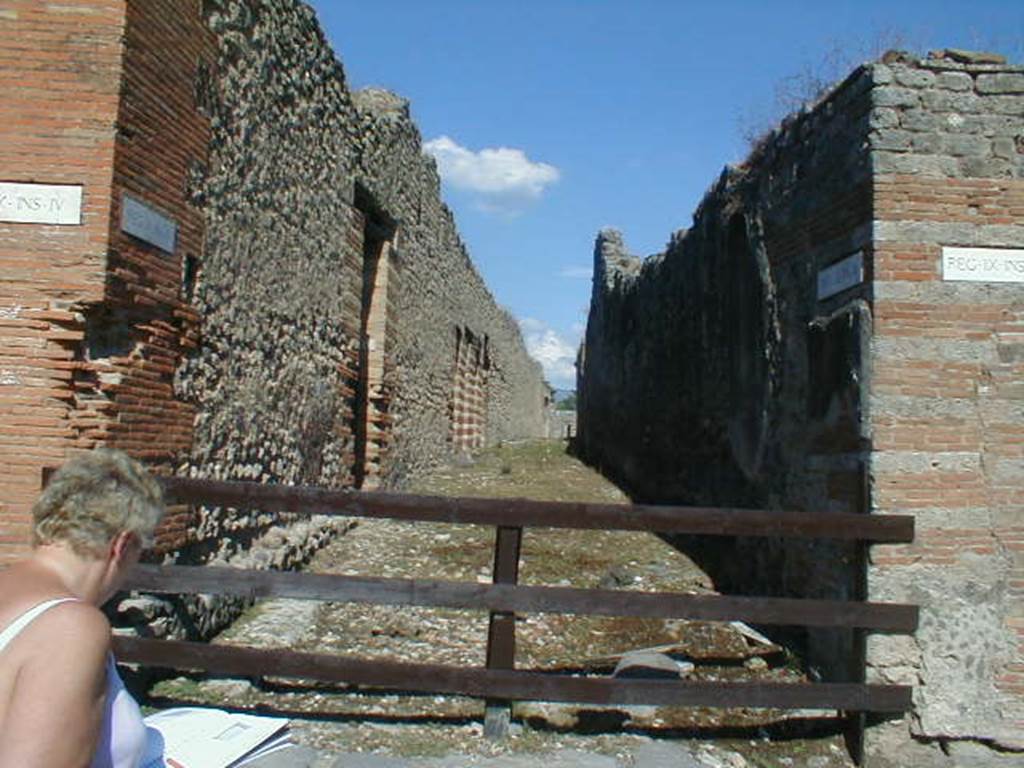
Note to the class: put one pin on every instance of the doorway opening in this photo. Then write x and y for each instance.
(470, 390)
(374, 390)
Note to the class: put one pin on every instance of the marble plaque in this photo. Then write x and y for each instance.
(146, 223)
(844, 274)
(40, 203)
(983, 265)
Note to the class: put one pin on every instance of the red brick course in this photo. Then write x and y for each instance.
(99, 94)
(980, 387)
(58, 103)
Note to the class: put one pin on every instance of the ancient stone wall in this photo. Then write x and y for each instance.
(265, 283)
(712, 375)
(442, 299)
(816, 342)
(334, 287)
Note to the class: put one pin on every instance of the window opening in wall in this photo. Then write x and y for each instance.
(373, 395)
(189, 277)
(107, 335)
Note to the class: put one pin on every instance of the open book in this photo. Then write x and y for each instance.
(191, 737)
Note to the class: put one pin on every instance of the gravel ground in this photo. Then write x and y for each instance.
(356, 728)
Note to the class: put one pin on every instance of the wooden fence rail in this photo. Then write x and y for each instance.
(885, 617)
(521, 513)
(512, 685)
(499, 683)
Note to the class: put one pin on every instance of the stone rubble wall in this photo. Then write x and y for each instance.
(712, 376)
(297, 165)
(312, 260)
(711, 380)
(441, 291)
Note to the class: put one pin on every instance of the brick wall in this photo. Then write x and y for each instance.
(93, 319)
(61, 68)
(946, 416)
(162, 139)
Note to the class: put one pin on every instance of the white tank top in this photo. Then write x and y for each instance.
(122, 734)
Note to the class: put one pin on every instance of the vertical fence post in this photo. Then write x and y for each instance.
(501, 632)
(855, 720)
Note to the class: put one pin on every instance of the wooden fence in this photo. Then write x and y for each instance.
(499, 682)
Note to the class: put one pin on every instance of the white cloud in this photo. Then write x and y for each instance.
(504, 178)
(576, 273)
(555, 352)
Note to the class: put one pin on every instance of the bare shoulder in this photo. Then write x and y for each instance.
(77, 631)
(59, 686)
(85, 622)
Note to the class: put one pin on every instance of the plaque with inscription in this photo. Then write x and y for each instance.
(40, 203)
(146, 223)
(983, 265)
(844, 274)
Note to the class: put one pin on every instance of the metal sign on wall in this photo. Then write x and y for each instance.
(146, 223)
(40, 203)
(983, 265)
(840, 276)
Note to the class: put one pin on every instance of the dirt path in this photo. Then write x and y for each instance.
(413, 725)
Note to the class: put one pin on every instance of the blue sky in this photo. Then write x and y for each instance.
(553, 118)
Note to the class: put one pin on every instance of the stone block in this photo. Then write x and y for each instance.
(919, 120)
(951, 101)
(914, 78)
(1009, 472)
(913, 164)
(1004, 105)
(881, 74)
(1005, 148)
(944, 349)
(932, 231)
(1001, 82)
(891, 140)
(883, 117)
(987, 125)
(927, 143)
(986, 168)
(893, 96)
(954, 81)
(966, 145)
(924, 462)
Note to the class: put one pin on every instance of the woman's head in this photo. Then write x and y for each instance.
(92, 498)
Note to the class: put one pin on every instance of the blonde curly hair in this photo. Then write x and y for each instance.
(92, 498)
